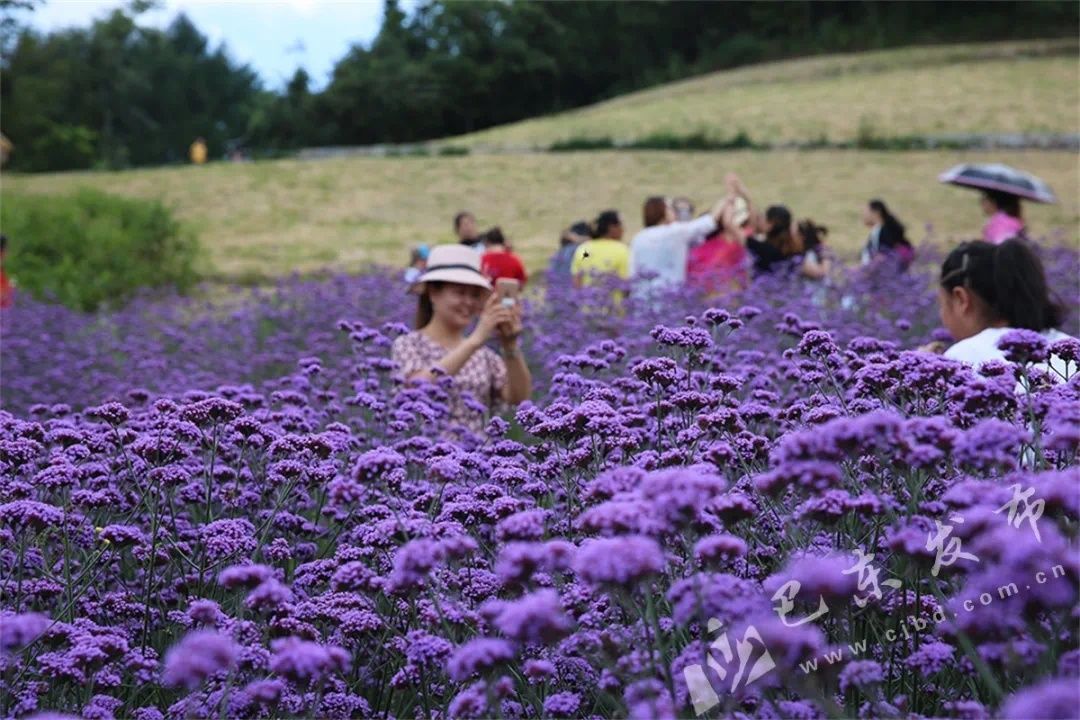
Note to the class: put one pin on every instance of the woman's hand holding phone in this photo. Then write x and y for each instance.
(491, 318)
(512, 327)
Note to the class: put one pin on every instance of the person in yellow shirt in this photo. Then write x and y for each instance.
(606, 254)
(198, 151)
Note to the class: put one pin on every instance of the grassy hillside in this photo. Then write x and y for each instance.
(1031, 86)
(265, 219)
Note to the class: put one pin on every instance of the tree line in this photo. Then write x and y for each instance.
(120, 93)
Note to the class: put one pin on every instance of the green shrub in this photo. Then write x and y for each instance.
(582, 143)
(901, 143)
(91, 249)
(404, 151)
(58, 147)
(694, 141)
(453, 150)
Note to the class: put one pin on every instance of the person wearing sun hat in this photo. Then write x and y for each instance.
(452, 294)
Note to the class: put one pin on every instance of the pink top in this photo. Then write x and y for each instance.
(1000, 227)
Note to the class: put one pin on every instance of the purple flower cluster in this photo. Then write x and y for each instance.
(197, 519)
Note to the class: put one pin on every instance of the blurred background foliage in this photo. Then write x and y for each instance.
(90, 249)
(119, 93)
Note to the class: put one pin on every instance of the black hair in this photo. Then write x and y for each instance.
(812, 234)
(1005, 202)
(893, 232)
(1009, 278)
(778, 218)
(494, 236)
(3, 242)
(579, 228)
(424, 309)
(604, 222)
(461, 216)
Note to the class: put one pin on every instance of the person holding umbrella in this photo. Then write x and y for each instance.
(1004, 217)
(1002, 187)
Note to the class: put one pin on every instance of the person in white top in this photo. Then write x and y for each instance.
(659, 251)
(988, 290)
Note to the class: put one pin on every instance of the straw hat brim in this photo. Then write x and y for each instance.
(459, 277)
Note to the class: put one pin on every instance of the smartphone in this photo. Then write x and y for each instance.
(508, 290)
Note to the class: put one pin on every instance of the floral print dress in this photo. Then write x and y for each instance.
(477, 388)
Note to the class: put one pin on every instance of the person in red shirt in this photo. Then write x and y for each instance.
(498, 261)
(7, 292)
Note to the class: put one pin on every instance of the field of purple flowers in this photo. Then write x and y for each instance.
(766, 508)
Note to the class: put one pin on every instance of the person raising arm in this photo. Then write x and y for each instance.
(661, 248)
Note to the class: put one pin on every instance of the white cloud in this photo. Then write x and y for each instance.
(257, 32)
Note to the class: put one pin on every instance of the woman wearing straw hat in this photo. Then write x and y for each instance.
(453, 294)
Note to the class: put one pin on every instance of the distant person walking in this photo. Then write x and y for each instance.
(498, 261)
(1005, 217)
(658, 253)
(465, 228)
(605, 254)
(887, 235)
(197, 152)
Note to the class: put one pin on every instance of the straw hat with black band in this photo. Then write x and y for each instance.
(452, 264)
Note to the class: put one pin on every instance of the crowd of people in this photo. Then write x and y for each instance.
(721, 249)
(467, 292)
(986, 288)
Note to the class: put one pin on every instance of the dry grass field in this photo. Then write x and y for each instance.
(264, 219)
(1030, 86)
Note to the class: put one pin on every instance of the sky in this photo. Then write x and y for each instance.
(273, 36)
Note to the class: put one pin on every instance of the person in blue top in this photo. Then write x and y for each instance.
(417, 263)
(569, 241)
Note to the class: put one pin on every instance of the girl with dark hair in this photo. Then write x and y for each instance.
(608, 225)
(887, 235)
(1005, 217)
(454, 293)
(986, 291)
(778, 242)
(811, 238)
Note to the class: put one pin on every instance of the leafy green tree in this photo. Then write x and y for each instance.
(119, 93)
